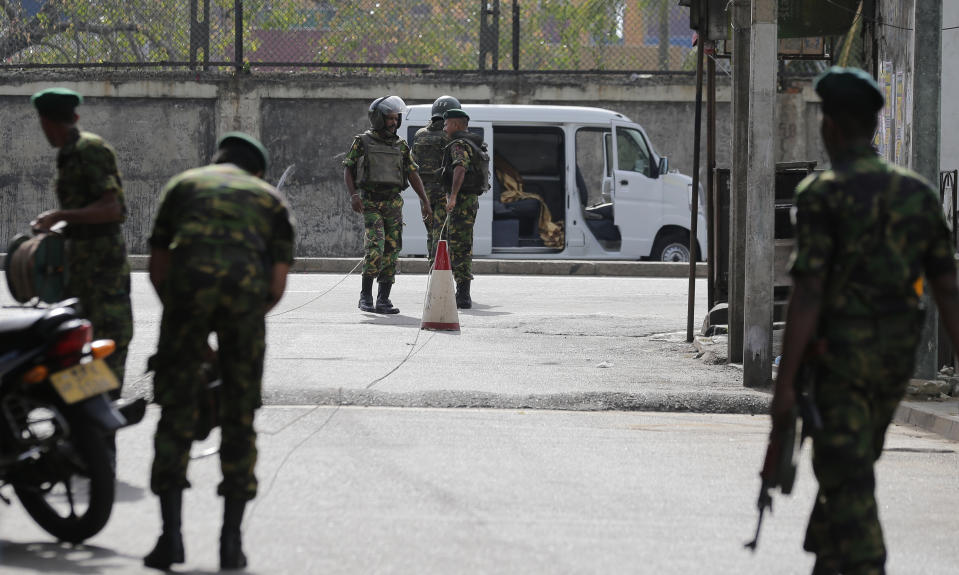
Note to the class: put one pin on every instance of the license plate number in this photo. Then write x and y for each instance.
(84, 381)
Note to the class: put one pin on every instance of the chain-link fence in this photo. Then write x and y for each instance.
(528, 35)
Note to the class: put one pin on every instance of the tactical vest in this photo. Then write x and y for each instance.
(380, 166)
(428, 148)
(476, 180)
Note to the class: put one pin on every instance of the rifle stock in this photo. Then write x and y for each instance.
(782, 450)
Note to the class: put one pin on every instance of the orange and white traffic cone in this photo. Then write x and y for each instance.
(439, 313)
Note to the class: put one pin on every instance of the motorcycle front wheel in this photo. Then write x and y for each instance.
(72, 487)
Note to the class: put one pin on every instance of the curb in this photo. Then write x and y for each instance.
(703, 402)
(494, 266)
(939, 417)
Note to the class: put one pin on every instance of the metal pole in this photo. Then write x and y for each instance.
(694, 205)
(710, 180)
(516, 34)
(737, 187)
(238, 35)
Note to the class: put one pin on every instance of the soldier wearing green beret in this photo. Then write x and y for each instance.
(90, 195)
(870, 236)
(221, 248)
(466, 176)
(429, 146)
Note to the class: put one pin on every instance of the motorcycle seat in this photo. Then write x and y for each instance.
(18, 331)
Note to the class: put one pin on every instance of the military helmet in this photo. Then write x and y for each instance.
(383, 106)
(442, 104)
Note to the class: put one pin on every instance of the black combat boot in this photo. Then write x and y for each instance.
(169, 547)
(231, 546)
(366, 295)
(383, 303)
(463, 300)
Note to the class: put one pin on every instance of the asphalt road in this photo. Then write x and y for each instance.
(530, 341)
(384, 490)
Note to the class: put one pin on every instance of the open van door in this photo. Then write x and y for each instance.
(636, 192)
(414, 230)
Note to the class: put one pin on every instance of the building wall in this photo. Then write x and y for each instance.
(166, 123)
(949, 154)
(895, 76)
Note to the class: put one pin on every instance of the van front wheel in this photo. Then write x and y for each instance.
(671, 247)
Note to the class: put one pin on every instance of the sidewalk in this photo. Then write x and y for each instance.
(936, 415)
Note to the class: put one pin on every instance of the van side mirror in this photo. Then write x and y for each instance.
(663, 166)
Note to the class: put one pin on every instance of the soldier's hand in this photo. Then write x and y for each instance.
(356, 203)
(450, 203)
(783, 403)
(45, 221)
(425, 210)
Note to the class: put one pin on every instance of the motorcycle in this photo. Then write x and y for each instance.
(57, 420)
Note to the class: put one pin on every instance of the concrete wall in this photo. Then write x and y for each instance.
(163, 124)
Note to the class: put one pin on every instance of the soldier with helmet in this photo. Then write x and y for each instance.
(870, 236)
(428, 148)
(376, 170)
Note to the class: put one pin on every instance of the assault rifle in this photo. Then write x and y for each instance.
(782, 452)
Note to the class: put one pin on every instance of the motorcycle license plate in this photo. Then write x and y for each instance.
(84, 380)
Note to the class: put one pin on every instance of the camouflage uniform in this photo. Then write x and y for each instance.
(459, 231)
(869, 229)
(224, 228)
(428, 144)
(98, 273)
(382, 213)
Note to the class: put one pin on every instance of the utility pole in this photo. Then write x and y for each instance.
(927, 70)
(760, 199)
(737, 187)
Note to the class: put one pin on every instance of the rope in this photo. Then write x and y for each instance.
(343, 279)
(412, 352)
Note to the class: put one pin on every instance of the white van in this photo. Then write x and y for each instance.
(607, 192)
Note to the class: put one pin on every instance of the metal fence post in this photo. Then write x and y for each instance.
(489, 33)
(516, 34)
(199, 32)
(238, 35)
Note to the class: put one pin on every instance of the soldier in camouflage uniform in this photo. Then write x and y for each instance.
(92, 204)
(867, 231)
(428, 148)
(376, 170)
(221, 247)
(464, 182)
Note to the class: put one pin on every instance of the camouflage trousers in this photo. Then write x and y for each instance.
(383, 225)
(437, 197)
(193, 309)
(458, 233)
(857, 393)
(98, 274)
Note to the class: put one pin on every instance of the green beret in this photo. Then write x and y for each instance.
(455, 113)
(56, 103)
(249, 141)
(848, 90)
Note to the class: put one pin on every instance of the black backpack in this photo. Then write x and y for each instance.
(476, 180)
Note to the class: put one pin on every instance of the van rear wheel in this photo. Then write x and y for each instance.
(671, 247)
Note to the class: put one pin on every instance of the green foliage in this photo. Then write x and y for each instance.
(555, 34)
